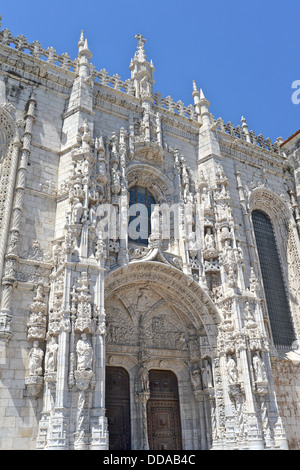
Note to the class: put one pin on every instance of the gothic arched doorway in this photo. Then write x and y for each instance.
(118, 408)
(163, 414)
(157, 319)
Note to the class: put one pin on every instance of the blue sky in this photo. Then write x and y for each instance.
(244, 55)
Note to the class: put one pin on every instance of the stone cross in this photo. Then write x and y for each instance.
(141, 40)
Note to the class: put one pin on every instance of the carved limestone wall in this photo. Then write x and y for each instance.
(78, 294)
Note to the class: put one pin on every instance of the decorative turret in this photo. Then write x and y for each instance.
(142, 72)
(204, 111)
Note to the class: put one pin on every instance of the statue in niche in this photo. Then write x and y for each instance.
(84, 353)
(259, 369)
(77, 211)
(92, 216)
(36, 355)
(145, 87)
(232, 372)
(144, 378)
(155, 220)
(207, 374)
(51, 355)
(206, 199)
(209, 240)
(196, 379)
(116, 179)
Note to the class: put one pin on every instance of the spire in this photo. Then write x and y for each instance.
(142, 71)
(195, 93)
(245, 129)
(204, 109)
(202, 97)
(196, 96)
(84, 56)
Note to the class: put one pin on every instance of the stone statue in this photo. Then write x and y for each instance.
(232, 370)
(209, 240)
(144, 378)
(36, 355)
(207, 375)
(259, 369)
(77, 211)
(196, 379)
(51, 355)
(84, 353)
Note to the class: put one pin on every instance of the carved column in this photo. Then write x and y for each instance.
(98, 420)
(58, 434)
(123, 204)
(199, 394)
(36, 333)
(247, 223)
(254, 437)
(11, 259)
(9, 195)
(142, 396)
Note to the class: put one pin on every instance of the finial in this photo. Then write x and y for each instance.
(142, 71)
(204, 105)
(203, 101)
(141, 40)
(84, 56)
(83, 48)
(81, 40)
(245, 128)
(140, 53)
(195, 93)
(202, 97)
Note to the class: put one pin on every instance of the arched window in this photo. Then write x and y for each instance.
(140, 201)
(275, 292)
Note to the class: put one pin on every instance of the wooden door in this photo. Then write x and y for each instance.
(163, 415)
(117, 399)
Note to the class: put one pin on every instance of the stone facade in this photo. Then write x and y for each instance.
(78, 294)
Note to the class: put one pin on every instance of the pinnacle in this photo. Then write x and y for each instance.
(81, 40)
(202, 97)
(195, 90)
(83, 45)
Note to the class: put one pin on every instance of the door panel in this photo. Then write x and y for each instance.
(118, 408)
(164, 428)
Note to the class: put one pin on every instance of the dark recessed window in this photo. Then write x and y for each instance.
(140, 201)
(272, 276)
